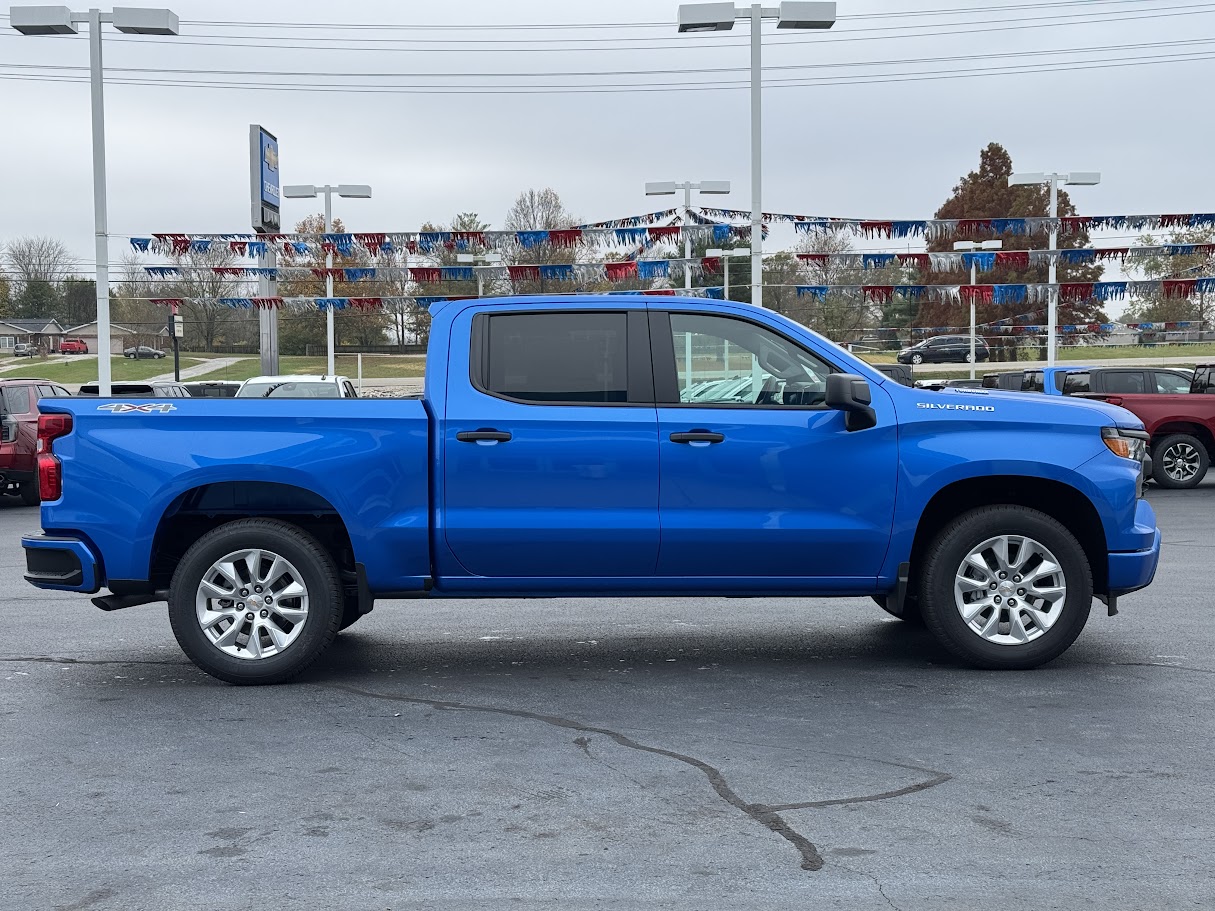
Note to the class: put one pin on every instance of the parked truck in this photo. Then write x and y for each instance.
(557, 451)
(1181, 426)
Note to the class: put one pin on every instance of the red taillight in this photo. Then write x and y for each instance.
(50, 472)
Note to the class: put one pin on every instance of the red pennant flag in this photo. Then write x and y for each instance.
(1013, 259)
(425, 274)
(667, 232)
(524, 273)
(566, 237)
(1073, 292)
(1073, 224)
(371, 242)
(364, 303)
(238, 247)
(620, 271)
(1178, 287)
(877, 228)
(711, 264)
(979, 294)
(920, 260)
(267, 303)
(1113, 252)
(879, 293)
(323, 273)
(819, 257)
(972, 226)
(461, 239)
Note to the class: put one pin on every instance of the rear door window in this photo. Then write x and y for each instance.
(1075, 382)
(558, 358)
(1033, 381)
(16, 399)
(1128, 381)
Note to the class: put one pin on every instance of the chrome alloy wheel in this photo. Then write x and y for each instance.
(252, 604)
(1181, 461)
(1010, 590)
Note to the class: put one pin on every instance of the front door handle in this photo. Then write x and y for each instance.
(483, 436)
(698, 436)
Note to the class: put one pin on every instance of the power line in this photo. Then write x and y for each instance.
(590, 73)
(640, 87)
(682, 44)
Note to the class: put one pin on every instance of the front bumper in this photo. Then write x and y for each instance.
(60, 564)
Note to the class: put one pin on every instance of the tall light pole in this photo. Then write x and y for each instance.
(59, 20)
(1074, 178)
(971, 246)
(668, 188)
(346, 191)
(719, 17)
(724, 256)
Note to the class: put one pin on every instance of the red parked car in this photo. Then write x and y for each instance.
(1182, 427)
(19, 434)
(73, 346)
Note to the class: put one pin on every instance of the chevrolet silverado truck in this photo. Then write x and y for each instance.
(1181, 427)
(557, 451)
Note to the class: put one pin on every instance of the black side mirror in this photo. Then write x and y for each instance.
(850, 394)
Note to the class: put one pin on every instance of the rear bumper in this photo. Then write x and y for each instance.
(60, 564)
(1132, 571)
(13, 476)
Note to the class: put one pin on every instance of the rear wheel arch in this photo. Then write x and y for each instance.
(1060, 501)
(197, 511)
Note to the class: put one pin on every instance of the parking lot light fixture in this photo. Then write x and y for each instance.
(972, 246)
(719, 17)
(668, 188)
(1074, 178)
(480, 261)
(311, 191)
(59, 20)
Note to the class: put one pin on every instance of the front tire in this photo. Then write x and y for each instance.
(1180, 462)
(255, 601)
(917, 359)
(1006, 588)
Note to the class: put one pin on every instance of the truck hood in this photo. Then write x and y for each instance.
(1035, 406)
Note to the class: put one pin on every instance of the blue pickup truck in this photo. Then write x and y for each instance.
(613, 445)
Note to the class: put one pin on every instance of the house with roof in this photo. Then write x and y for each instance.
(121, 337)
(46, 334)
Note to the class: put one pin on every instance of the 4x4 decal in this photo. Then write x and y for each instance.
(127, 407)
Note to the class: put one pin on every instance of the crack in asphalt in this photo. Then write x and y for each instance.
(46, 659)
(767, 816)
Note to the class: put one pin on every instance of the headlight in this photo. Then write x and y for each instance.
(1129, 444)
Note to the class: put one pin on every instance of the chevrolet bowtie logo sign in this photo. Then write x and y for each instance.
(271, 157)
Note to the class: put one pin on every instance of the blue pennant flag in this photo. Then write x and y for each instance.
(200, 246)
(257, 248)
(242, 303)
(721, 233)
(162, 271)
(429, 241)
(908, 228)
(529, 239)
(1178, 249)
(983, 261)
(332, 303)
(816, 291)
(1202, 220)
(909, 291)
(1009, 226)
(1009, 294)
(1202, 285)
(1105, 291)
(560, 272)
(456, 273)
(357, 275)
(141, 243)
(342, 243)
(263, 271)
(300, 247)
(653, 268)
(632, 235)
(1073, 257)
(810, 225)
(717, 293)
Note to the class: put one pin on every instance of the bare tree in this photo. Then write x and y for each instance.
(39, 259)
(539, 210)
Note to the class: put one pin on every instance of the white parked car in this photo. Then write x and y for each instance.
(297, 386)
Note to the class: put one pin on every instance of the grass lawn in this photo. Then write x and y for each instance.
(83, 369)
(1199, 352)
(374, 367)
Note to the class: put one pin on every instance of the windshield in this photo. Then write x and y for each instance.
(289, 390)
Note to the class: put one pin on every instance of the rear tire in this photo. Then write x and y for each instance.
(30, 496)
(1180, 462)
(1037, 607)
(253, 559)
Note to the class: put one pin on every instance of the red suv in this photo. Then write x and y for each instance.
(73, 346)
(19, 434)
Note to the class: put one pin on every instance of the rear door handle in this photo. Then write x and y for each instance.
(483, 436)
(698, 436)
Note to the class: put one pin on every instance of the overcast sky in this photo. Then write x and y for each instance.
(178, 156)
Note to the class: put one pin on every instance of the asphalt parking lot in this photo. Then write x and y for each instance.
(683, 753)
